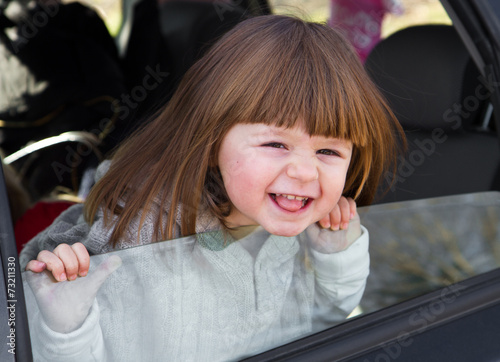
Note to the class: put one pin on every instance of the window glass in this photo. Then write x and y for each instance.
(202, 297)
(211, 297)
(422, 245)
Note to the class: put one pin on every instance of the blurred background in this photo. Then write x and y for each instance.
(415, 12)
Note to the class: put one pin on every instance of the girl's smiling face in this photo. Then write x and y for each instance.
(282, 179)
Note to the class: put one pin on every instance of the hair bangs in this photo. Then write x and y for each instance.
(303, 77)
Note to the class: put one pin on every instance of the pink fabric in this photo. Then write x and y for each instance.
(361, 20)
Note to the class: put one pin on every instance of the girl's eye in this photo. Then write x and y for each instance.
(328, 152)
(274, 145)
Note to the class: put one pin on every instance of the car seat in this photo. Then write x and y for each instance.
(190, 27)
(59, 73)
(169, 37)
(441, 101)
(56, 75)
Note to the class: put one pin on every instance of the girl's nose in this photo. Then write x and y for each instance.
(302, 169)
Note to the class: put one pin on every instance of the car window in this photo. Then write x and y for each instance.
(175, 298)
(423, 245)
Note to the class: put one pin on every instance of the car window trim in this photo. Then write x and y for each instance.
(9, 256)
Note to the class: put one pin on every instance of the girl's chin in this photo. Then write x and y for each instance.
(283, 231)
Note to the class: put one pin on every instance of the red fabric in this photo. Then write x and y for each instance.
(37, 219)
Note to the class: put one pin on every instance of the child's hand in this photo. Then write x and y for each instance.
(66, 262)
(339, 217)
(65, 305)
(337, 230)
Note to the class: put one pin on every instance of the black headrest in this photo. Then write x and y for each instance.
(427, 74)
(190, 27)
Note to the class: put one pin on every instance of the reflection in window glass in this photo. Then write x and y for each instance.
(423, 245)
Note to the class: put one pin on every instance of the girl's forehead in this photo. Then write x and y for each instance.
(263, 130)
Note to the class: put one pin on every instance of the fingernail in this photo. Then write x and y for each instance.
(334, 227)
(72, 277)
(62, 277)
(83, 273)
(344, 226)
(326, 225)
(352, 214)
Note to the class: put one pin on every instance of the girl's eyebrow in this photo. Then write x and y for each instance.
(266, 133)
(270, 131)
(340, 143)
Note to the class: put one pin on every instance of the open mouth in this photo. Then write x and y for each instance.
(290, 202)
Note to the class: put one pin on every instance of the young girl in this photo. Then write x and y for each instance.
(262, 153)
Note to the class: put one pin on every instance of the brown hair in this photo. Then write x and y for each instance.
(270, 69)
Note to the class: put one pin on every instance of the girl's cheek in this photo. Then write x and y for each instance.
(236, 168)
(235, 176)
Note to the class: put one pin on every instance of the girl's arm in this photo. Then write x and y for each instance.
(341, 263)
(65, 324)
(85, 344)
(341, 278)
(64, 317)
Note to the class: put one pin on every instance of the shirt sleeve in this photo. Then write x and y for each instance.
(86, 344)
(340, 279)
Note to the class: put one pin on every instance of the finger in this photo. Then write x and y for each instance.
(335, 218)
(53, 264)
(83, 258)
(325, 222)
(104, 270)
(67, 255)
(39, 281)
(36, 266)
(345, 213)
(352, 206)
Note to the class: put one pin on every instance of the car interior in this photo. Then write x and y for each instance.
(441, 100)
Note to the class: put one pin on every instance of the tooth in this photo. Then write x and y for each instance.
(290, 197)
(299, 198)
